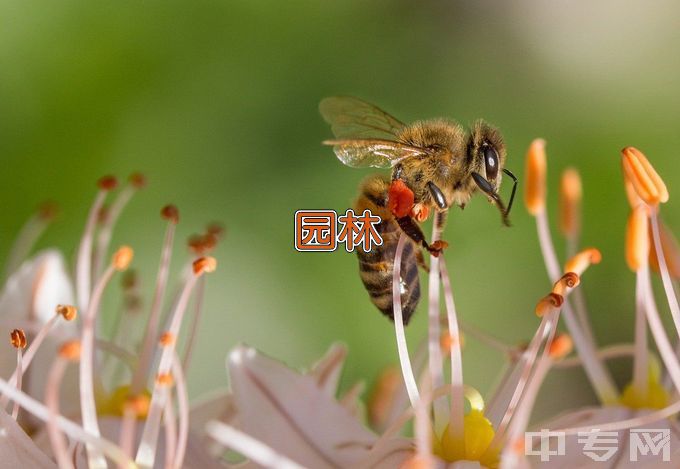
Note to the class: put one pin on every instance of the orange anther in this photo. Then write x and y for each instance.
(536, 166)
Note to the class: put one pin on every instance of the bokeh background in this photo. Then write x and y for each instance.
(216, 102)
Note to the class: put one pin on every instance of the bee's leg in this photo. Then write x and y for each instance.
(487, 188)
(437, 195)
(413, 231)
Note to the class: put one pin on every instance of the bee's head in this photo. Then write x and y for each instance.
(486, 152)
(486, 158)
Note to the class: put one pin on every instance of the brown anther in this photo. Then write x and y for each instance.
(18, 338)
(107, 183)
(534, 187)
(637, 238)
(129, 280)
(70, 350)
(165, 379)
(215, 229)
(68, 312)
(138, 404)
(204, 265)
(582, 260)
(170, 213)
(561, 346)
(570, 203)
(48, 211)
(202, 244)
(167, 338)
(565, 283)
(548, 304)
(137, 180)
(122, 258)
(670, 248)
(645, 180)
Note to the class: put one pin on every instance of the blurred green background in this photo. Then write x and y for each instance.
(216, 102)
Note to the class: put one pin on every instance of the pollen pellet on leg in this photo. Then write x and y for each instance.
(400, 199)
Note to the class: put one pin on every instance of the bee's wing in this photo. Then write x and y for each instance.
(352, 118)
(372, 152)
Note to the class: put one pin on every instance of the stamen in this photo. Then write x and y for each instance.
(248, 446)
(561, 346)
(570, 206)
(436, 364)
(381, 400)
(598, 375)
(671, 251)
(665, 275)
(84, 258)
(534, 195)
(121, 259)
(456, 427)
(70, 428)
(68, 312)
(549, 304)
(566, 284)
(136, 181)
(146, 452)
(644, 178)
(171, 214)
(183, 412)
(515, 433)
(641, 357)
(170, 427)
(28, 235)
(663, 345)
(69, 352)
(637, 239)
(18, 340)
(31, 351)
(195, 321)
(581, 261)
(402, 347)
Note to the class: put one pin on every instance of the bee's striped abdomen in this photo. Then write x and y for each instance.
(376, 267)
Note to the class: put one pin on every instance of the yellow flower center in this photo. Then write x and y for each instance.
(114, 405)
(478, 436)
(654, 397)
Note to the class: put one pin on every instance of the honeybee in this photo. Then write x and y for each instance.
(435, 164)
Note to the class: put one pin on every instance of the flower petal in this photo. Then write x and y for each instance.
(328, 369)
(289, 412)
(17, 449)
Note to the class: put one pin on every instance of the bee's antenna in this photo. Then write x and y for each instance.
(514, 189)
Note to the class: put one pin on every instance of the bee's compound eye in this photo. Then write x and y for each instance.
(491, 161)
